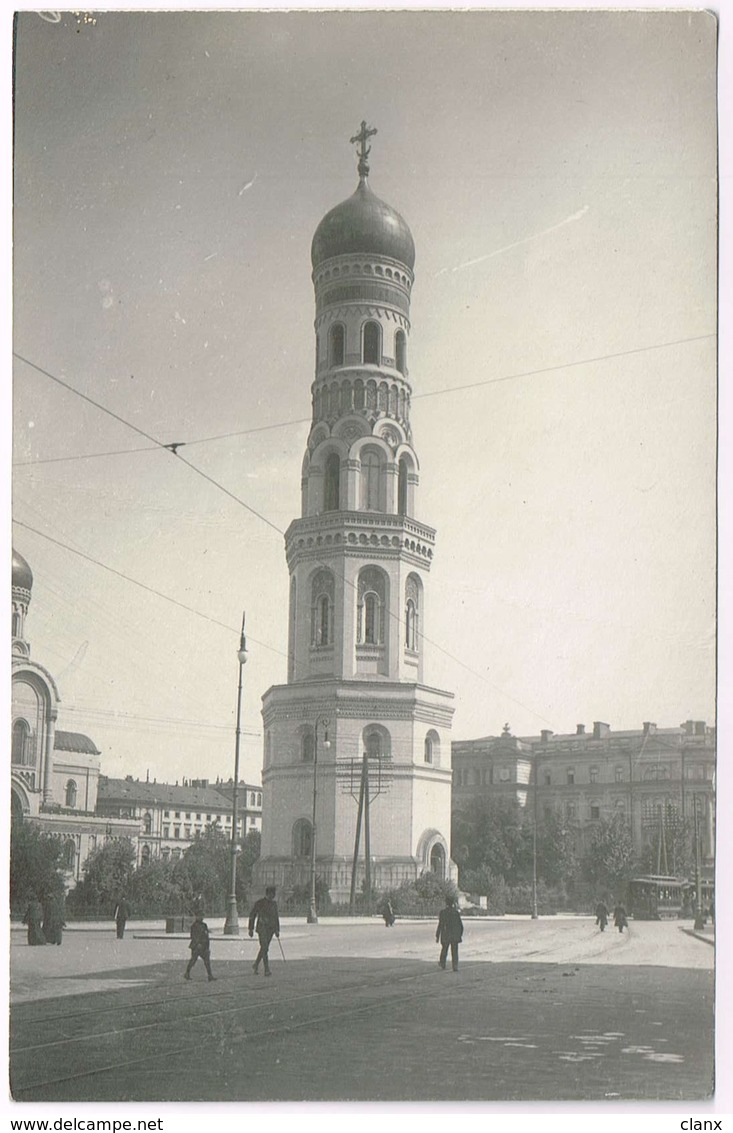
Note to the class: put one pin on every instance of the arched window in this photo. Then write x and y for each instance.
(71, 793)
(371, 619)
(16, 623)
(293, 624)
(323, 619)
(413, 588)
(307, 746)
(147, 824)
(371, 344)
(21, 749)
(336, 345)
(372, 594)
(371, 480)
(358, 394)
(431, 751)
(377, 742)
(400, 351)
(411, 625)
(373, 745)
(145, 855)
(322, 599)
(331, 492)
(302, 838)
(68, 856)
(402, 487)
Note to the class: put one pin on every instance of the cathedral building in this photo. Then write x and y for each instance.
(54, 774)
(356, 739)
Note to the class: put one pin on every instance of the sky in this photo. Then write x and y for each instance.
(558, 173)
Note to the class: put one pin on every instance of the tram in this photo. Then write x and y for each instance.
(657, 898)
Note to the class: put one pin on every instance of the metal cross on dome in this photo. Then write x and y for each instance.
(364, 150)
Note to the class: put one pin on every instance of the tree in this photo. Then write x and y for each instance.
(153, 890)
(610, 859)
(557, 858)
(425, 895)
(250, 854)
(491, 834)
(108, 872)
(429, 887)
(34, 865)
(204, 872)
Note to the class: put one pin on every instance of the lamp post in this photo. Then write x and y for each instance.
(535, 914)
(699, 919)
(231, 924)
(312, 913)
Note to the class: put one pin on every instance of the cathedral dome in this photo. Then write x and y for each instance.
(22, 573)
(363, 224)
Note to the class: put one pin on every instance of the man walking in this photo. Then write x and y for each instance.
(602, 915)
(265, 918)
(200, 947)
(122, 912)
(619, 917)
(449, 933)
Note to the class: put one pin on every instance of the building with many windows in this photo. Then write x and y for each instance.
(654, 777)
(168, 816)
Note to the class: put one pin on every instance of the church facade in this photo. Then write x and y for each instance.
(54, 774)
(356, 740)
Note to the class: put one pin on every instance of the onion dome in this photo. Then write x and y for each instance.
(365, 224)
(22, 573)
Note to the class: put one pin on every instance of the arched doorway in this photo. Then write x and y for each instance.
(437, 861)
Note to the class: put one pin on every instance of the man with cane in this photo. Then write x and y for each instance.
(265, 917)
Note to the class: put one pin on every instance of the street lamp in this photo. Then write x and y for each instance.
(699, 918)
(312, 914)
(231, 924)
(535, 914)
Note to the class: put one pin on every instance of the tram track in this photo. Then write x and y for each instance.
(387, 987)
(379, 993)
(254, 1005)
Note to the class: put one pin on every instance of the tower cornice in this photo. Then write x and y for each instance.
(364, 534)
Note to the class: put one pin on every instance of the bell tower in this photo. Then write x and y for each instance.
(359, 560)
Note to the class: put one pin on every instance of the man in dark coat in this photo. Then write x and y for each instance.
(34, 919)
(619, 917)
(122, 912)
(449, 933)
(265, 918)
(53, 920)
(200, 947)
(602, 915)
